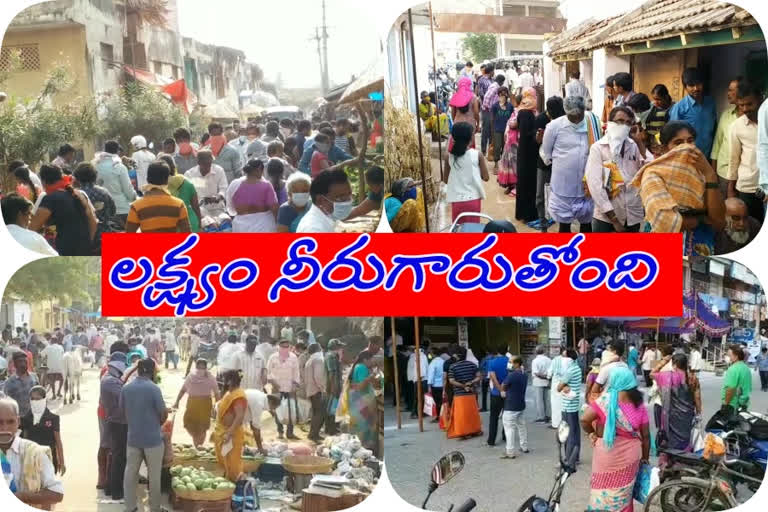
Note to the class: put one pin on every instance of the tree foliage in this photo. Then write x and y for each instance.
(64, 279)
(479, 47)
(139, 110)
(32, 128)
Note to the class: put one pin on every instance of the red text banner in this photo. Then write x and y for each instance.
(392, 275)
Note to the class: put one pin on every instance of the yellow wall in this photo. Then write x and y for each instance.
(44, 317)
(56, 45)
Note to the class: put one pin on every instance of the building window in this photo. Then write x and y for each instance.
(107, 52)
(29, 57)
(542, 12)
(158, 67)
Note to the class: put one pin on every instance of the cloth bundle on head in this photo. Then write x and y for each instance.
(622, 379)
(139, 142)
(463, 96)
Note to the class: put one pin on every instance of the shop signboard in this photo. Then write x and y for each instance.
(463, 327)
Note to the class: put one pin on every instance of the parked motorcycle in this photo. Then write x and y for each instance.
(446, 468)
(566, 468)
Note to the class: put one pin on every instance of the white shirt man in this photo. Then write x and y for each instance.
(213, 184)
(316, 221)
(170, 341)
(423, 364)
(540, 369)
(109, 340)
(266, 350)
(257, 404)
(286, 333)
(695, 364)
(284, 372)
(47, 475)
(649, 356)
(143, 157)
(254, 369)
(54, 356)
(31, 240)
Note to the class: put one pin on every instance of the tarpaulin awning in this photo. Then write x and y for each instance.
(704, 318)
(372, 80)
(678, 325)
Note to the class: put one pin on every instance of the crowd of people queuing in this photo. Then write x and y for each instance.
(593, 387)
(277, 177)
(259, 368)
(645, 164)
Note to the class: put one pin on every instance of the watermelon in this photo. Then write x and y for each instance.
(191, 487)
(223, 485)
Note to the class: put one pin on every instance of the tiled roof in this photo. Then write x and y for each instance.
(653, 20)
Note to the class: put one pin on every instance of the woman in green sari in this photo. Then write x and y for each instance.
(182, 188)
(362, 400)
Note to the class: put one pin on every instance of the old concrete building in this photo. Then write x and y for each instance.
(84, 35)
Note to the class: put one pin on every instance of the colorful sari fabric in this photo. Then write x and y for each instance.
(615, 462)
(678, 410)
(362, 409)
(229, 454)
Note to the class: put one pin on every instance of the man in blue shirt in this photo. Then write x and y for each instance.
(514, 386)
(141, 401)
(497, 372)
(696, 109)
(435, 379)
(761, 363)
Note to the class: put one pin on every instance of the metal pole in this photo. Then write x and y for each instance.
(326, 83)
(396, 377)
(574, 333)
(420, 402)
(658, 330)
(434, 75)
(418, 121)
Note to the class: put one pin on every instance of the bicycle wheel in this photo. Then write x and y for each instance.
(686, 496)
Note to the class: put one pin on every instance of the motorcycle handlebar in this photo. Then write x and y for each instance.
(466, 506)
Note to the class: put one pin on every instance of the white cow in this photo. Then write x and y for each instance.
(73, 370)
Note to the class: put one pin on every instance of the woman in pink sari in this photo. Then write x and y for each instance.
(617, 426)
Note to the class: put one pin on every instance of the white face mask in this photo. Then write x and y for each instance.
(37, 406)
(300, 199)
(285, 131)
(341, 209)
(617, 132)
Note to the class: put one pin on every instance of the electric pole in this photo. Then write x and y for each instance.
(324, 67)
(318, 41)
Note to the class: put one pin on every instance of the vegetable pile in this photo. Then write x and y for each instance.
(191, 479)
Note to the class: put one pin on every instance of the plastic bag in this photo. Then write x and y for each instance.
(430, 408)
(342, 411)
(647, 480)
(697, 437)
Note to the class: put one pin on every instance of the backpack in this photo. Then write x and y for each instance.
(246, 496)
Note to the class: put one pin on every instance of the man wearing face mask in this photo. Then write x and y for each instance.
(290, 213)
(331, 196)
(740, 229)
(566, 145)
(29, 473)
(619, 154)
(225, 156)
(283, 375)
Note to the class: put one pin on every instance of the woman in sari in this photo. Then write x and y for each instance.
(228, 433)
(252, 201)
(199, 384)
(405, 208)
(182, 188)
(463, 376)
(680, 396)
(680, 191)
(617, 425)
(362, 400)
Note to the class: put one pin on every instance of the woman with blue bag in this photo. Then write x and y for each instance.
(617, 425)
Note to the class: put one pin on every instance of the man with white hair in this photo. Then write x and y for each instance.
(566, 144)
(143, 157)
(29, 471)
(740, 227)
